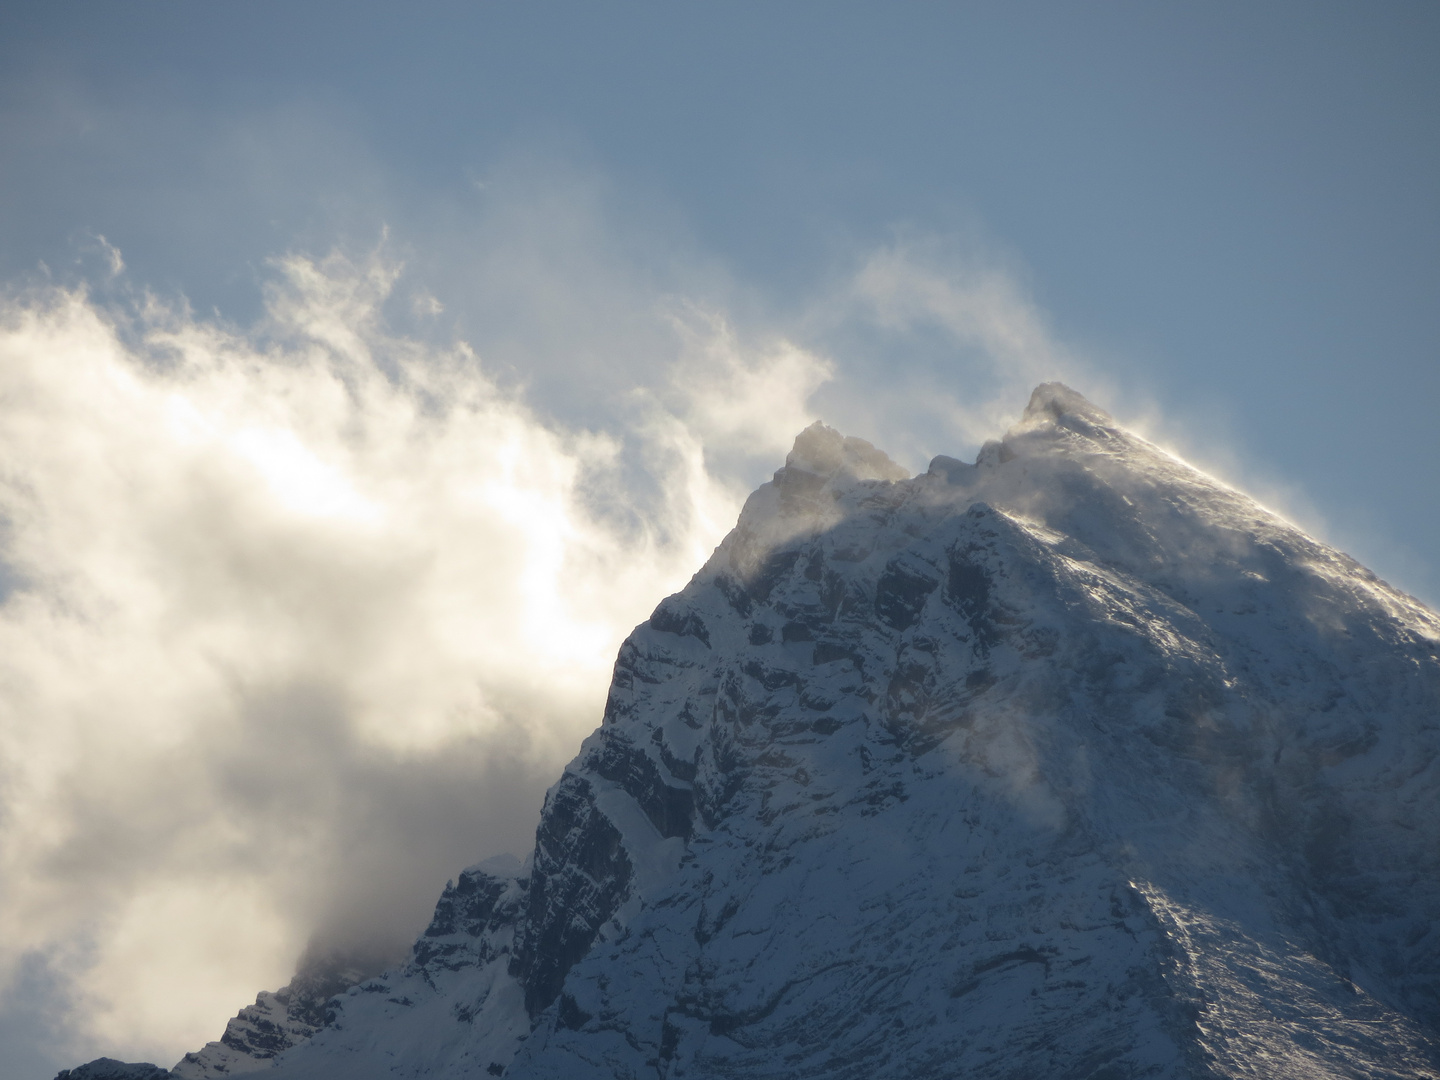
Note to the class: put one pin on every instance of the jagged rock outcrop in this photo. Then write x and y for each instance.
(1072, 762)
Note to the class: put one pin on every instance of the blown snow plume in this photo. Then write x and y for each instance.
(1068, 762)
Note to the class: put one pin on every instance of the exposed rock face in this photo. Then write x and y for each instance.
(1069, 763)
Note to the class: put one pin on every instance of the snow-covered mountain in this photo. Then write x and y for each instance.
(1072, 762)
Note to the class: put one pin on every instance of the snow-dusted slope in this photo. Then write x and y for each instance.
(277, 1021)
(1069, 763)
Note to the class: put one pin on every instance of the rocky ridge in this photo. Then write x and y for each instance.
(277, 1021)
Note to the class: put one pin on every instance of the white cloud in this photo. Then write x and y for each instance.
(303, 620)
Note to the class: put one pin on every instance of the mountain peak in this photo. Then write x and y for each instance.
(1054, 402)
(823, 451)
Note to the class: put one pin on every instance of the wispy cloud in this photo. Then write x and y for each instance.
(941, 344)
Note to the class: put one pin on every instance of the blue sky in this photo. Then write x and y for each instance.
(654, 223)
(1231, 206)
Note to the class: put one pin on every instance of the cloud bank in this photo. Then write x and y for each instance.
(301, 620)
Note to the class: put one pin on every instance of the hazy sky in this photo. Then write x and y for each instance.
(366, 371)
